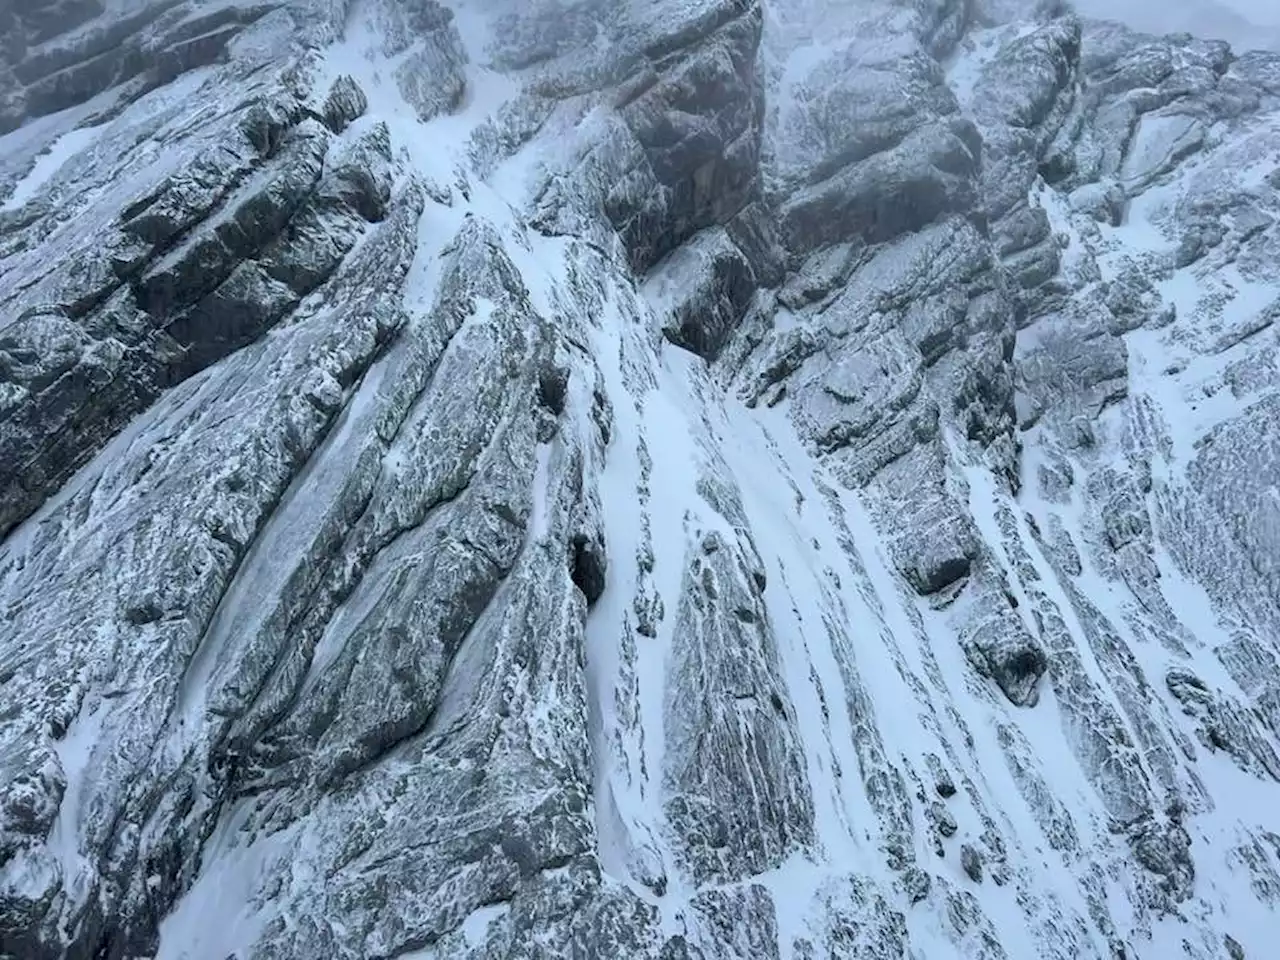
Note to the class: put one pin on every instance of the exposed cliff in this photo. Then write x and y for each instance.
(672, 479)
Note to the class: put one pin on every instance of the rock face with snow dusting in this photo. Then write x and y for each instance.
(682, 479)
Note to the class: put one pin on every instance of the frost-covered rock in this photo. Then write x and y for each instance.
(713, 479)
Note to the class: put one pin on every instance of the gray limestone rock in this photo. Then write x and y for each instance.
(432, 76)
(731, 741)
(971, 862)
(345, 102)
(669, 481)
(710, 284)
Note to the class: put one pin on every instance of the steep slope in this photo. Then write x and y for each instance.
(679, 479)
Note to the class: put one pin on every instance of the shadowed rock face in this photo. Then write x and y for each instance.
(717, 479)
(65, 53)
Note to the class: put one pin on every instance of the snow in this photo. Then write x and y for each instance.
(1185, 406)
(75, 753)
(220, 915)
(1043, 726)
(48, 164)
(1157, 143)
(684, 422)
(1238, 798)
(632, 807)
(1179, 368)
(20, 148)
(285, 541)
(793, 528)
(477, 924)
(217, 916)
(964, 67)
(436, 150)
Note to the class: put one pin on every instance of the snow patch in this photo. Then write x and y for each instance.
(48, 164)
(220, 915)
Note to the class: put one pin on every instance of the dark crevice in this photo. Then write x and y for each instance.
(588, 567)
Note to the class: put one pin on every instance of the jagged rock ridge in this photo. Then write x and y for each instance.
(731, 478)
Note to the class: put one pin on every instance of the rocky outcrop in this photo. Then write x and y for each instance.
(222, 249)
(61, 55)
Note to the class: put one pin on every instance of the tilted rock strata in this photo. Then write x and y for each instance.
(744, 478)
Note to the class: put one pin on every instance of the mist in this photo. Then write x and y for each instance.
(1245, 24)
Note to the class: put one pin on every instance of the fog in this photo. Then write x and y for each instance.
(1245, 24)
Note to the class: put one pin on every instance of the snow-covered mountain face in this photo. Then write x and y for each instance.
(640, 479)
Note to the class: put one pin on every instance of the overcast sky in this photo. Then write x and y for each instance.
(1243, 23)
